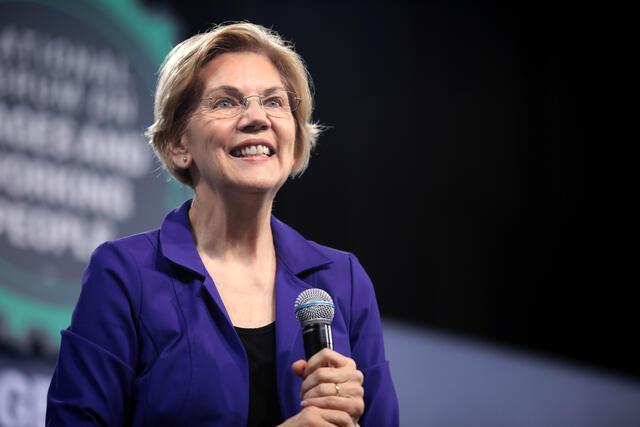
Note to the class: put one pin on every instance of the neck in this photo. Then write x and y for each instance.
(232, 226)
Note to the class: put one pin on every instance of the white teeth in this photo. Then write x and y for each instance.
(252, 150)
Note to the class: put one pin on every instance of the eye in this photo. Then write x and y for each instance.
(274, 102)
(223, 103)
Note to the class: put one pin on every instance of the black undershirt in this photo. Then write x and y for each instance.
(260, 345)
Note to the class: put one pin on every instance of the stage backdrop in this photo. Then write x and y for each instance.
(76, 94)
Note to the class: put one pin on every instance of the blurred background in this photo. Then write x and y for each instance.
(475, 160)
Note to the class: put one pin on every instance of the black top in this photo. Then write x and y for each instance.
(260, 345)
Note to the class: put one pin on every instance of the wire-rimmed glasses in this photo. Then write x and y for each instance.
(226, 103)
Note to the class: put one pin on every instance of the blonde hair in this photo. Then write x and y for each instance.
(178, 89)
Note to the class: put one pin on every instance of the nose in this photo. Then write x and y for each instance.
(253, 118)
(258, 103)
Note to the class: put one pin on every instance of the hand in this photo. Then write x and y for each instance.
(312, 416)
(331, 381)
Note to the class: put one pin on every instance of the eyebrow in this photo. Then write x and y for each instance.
(232, 90)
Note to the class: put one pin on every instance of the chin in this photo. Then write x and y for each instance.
(265, 186)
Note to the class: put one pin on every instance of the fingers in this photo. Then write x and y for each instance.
(332, 376)
(327, 357)
(331, 416)
(314, 416)
(348, 389)
(349, 398)
(353, 407)
(298, 367)
(321, 374)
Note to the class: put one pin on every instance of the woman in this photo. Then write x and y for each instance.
(193, 324)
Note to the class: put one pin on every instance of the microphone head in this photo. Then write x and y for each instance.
(314, 306)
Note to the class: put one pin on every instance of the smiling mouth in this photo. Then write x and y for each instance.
(252, 151)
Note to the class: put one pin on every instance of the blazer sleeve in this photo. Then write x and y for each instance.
(367, 349)
(93, 380)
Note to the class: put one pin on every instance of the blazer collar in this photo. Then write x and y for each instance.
(176, 240)
(294, 250)
(177, 244)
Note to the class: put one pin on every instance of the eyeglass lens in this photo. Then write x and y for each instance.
(277, 103)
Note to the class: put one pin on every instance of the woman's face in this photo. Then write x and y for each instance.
(227, 154)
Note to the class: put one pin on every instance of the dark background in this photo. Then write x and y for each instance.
(476, 163)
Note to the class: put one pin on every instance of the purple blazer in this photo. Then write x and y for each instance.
(151, 344)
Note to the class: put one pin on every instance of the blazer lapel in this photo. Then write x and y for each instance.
(177, 245)
(295, 257)
(288, 287)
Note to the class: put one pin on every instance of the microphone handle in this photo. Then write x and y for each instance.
(316, 337)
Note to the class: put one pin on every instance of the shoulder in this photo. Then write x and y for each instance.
(305, 256)
(340, 259)
(333, 254)
(115, 266)
(136, 248)
(343, 277)
(111, 285)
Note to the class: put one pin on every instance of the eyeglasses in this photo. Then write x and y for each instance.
(226, 103)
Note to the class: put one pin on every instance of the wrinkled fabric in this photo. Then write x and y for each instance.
(151, 344)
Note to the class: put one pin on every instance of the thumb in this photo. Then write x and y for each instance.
(298, 367)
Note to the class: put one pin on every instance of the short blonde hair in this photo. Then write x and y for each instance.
(178, 89)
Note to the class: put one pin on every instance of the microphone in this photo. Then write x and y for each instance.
(314, 309)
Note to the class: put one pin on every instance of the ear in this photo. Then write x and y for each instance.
(180, 153)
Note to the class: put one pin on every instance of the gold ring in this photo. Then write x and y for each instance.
(337, 390)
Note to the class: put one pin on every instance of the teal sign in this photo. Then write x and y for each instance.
(76, 94)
